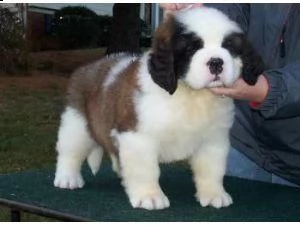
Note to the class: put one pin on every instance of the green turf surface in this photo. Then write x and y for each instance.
(103, 198)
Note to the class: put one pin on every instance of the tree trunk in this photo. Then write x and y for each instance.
(148, 7)
(126, 27)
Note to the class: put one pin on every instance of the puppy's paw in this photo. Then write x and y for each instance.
(68, 181)
(154, 201)
(216, 199)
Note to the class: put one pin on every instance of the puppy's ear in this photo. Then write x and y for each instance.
(161, 61)
(253, 64)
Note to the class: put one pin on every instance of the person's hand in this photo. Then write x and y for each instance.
(172, 7)
(241, 90)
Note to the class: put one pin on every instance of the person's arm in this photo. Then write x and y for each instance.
(283, 97)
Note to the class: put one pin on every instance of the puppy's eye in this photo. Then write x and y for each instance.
(234, 43)
(187, 43)
(196, 44)
(181, 42)
(237, 41)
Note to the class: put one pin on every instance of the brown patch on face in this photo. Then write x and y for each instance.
(108, 109)
(164, 32)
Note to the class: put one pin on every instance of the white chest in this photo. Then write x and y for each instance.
(179, 123)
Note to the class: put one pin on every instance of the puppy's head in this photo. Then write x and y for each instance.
(204, 48)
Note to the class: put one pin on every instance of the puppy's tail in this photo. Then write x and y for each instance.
(94, 159)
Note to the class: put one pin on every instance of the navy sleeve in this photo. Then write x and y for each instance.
(239, 13)
(283, 98)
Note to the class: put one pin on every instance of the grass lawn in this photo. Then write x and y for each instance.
(30, 108)
(29, 115)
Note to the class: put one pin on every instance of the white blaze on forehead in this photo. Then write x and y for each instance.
(117, 69)
(208, 23)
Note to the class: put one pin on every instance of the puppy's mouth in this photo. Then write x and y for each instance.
(216, 83)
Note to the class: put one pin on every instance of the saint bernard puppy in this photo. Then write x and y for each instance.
(156, 108)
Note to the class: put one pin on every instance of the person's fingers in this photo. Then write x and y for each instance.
(173, 6)
(178, 6)
(222, 91)
(168, 6)
(195, 5)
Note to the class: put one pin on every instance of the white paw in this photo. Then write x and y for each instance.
(151, 201)
(215, 199)
(68, 181)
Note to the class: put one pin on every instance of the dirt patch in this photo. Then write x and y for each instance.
(36, 81)
(64, 61)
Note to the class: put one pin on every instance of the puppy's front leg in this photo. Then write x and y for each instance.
(209, 165)
(140, 171)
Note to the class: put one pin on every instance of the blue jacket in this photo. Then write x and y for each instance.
(270, 134)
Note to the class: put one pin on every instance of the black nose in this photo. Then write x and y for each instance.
(215, 65)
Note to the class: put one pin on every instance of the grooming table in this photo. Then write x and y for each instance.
(103, 198)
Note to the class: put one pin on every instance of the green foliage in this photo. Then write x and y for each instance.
(104, 27)
(76, 27)
(13, 51)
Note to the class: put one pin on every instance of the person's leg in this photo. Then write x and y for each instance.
(243, 135)
(238, 165)
(278, 180)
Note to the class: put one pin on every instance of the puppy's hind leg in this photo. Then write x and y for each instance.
(73, 146)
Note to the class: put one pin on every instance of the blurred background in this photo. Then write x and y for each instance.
(28, 28)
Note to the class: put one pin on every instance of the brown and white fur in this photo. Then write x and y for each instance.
(156, 108)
